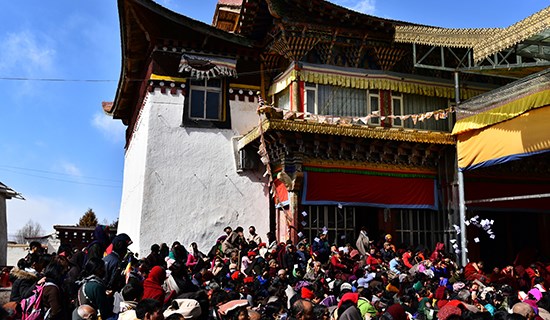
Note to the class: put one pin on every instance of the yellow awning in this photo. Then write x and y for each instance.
(513, 139)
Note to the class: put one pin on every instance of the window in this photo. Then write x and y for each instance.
(311, 102)
(397, 109)
(339, 223)
(205, 100)
(424, 227)
(374, 107)
(335, 101)
(283, 99)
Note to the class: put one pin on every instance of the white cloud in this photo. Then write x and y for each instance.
(112, 129)
(26, 53)
(71, 169)
(365, 6)
(46, 211)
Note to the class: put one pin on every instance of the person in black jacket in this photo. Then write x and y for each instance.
(22, 282)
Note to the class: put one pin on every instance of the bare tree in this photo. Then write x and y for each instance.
(30, 230)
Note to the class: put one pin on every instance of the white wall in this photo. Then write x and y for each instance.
(134, 178)
(190, 188)
(3, 231)
(16, 252)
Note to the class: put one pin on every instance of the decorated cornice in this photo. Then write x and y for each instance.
(312, 164)
(484, 41)
(356, 131)
(513, 35)
(370, 79)
(432, 36)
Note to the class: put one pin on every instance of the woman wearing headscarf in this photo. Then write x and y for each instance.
(152, 286)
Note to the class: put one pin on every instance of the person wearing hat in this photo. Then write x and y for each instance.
(114, 260)
(188, 308)
(246, 261)
(395, 312)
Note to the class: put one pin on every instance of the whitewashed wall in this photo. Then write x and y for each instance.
(16, 252)
(133, 183)
(3, 231)
(180, 183)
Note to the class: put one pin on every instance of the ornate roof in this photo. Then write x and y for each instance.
(484, 41)
(147, 27)
(347, 130)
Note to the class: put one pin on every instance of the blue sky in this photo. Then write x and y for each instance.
(59, 150)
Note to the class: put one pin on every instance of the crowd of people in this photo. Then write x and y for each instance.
(244, 277)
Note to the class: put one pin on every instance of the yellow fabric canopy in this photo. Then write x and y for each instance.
(503, 111)
(518, 137)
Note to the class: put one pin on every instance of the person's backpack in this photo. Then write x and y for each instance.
(31, 307)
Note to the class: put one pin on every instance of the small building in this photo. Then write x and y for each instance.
(77, 237)
(6, 193)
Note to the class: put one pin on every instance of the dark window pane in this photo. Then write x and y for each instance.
(214, 83)
(199, 83)
(331, 223)
(197, 104)
(374, 106)
(311, 101)
(397, 112)
(213, 105)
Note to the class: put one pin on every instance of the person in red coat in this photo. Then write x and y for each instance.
(373, 261)
(152, 286)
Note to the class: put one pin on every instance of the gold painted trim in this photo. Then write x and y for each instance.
(513, 35)
(167, 78)
(346, 164)
(484, 41)
(445, 37)
(244, 86)
(394, 134)
(364, 81)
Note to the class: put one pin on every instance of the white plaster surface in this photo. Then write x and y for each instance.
(16, 252)
(3, 231)
(180, 183)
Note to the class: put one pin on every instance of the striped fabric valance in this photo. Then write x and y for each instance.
(205, 67)
(368, 79)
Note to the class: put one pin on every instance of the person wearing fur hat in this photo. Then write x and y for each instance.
(22, 282)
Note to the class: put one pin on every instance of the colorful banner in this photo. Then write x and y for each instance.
(519, 137)
(281, 194)
(335, 186)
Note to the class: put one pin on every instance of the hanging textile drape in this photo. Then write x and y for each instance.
(335, 186)
(205, 67)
